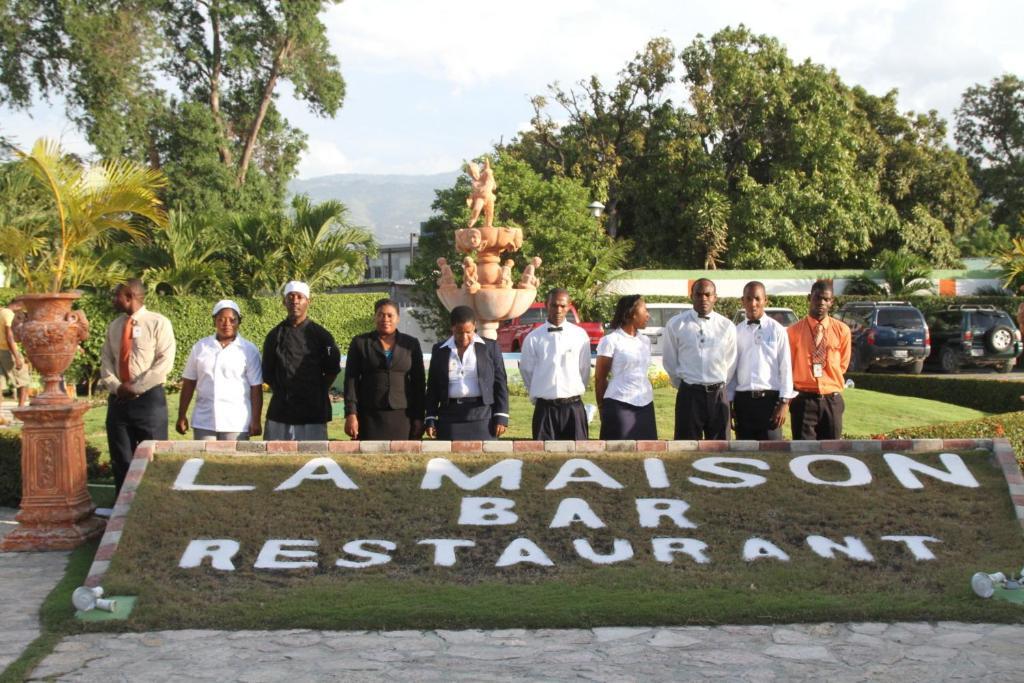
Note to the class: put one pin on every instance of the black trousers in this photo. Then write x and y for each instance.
(129, 423)
(754, 415)
(562, 420)
(817, 417)
(701, 413)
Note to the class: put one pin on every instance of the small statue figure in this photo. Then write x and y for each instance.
(506, 274)
(482, 196)
(469, 278)
(468, 240)
(447, 278)
(529, 279)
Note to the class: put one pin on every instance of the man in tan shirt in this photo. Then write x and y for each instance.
(137, 354)
(13, 366)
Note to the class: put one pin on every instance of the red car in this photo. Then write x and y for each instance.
(511, 333)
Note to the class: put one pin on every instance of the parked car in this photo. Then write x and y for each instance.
(511, 333)
(887, 334)
(975, 335)
(783, 316)
(660, 315)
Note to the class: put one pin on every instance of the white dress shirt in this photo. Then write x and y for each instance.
(763, 360)
(223, 377)
(555, 364)
(631, 357)
(699, 350)
(462, 379)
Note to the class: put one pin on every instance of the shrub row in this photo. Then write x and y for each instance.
(990, 396)
(10, 467)
(1009, 426)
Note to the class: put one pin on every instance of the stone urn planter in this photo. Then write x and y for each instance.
(56, 509)
(50, 333)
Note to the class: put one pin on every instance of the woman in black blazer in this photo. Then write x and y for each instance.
(467, 392)
(384, 381)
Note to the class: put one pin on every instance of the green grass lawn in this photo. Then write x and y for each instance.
(867, 413)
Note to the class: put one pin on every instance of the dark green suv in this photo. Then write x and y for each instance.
(974, 335)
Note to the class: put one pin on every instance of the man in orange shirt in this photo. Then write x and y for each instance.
(821, 354)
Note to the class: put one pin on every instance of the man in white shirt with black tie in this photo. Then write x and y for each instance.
(762, 387)
(700, 359)
(555, 367)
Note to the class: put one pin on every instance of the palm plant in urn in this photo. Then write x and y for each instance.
(90, 204)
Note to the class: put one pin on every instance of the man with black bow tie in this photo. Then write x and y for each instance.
(762, 387)
(555, 366)
(700, 359)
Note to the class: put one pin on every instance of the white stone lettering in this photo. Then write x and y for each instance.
(621, 550)
(508, 471)
(651, 510)
(916, 545)
(654, 468)
(523, 550)
(573, 510)
(851, 546)
(956, 471)
(743, 480)
(186, 480)
(331, 471)
(666, 548)
(274, 549)
(859, 474)
(444, 549)
(758, 548)
(593, 474)
(370, 558)
(219, 550)
(487, 511)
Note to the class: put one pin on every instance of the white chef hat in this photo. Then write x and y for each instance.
(227, 303)
(296, 286)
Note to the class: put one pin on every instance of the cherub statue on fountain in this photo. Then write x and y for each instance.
(469, 277)
(446, 279)
(482, 196)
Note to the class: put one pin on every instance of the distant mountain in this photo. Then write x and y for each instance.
(391, 206)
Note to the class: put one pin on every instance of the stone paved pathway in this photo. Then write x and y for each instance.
(834, 652)
(25, 581)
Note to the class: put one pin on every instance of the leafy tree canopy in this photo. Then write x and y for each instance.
(186, 86)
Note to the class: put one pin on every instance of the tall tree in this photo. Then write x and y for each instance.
(215, 130)
(990, 132)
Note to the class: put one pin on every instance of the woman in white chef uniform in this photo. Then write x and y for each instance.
(226, 376)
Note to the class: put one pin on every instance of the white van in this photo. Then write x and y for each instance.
(660, 315)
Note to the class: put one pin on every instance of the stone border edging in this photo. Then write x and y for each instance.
(1001, 450)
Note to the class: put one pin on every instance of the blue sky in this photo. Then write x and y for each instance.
(433, 83)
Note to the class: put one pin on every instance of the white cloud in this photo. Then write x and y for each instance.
(323, 157)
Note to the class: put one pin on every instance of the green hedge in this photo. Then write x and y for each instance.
(990, 396)
(344, 315)
(1009, 426)
(10, 467)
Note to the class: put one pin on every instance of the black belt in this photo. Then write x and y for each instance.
(812, 394)
(708, 388)
(467, 401)
(559, 401)
(759, 394)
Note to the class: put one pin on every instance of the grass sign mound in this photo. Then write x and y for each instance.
(457, 540)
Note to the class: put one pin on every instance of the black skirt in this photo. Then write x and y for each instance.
(384, 425)
(620, 420)
(464, 422)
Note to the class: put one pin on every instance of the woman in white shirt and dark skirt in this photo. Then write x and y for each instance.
(467, 391)
(626, 401)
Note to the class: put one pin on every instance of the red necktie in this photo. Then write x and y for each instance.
(819, 346)
(125, 353)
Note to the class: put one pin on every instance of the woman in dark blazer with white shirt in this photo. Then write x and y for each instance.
(467, 390)
(384, 381)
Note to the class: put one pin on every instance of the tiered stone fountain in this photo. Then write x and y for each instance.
(487, 284)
